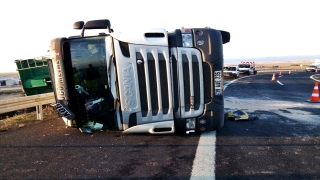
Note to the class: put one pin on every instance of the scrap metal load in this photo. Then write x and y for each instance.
(150, 81)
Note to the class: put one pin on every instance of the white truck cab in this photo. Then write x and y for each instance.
(313, 68)
(152, 81)
(247, 68)
(231, 71)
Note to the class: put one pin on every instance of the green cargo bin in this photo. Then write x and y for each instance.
(34, 75)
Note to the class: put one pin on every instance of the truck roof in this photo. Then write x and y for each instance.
(247, 62)
(231, 66)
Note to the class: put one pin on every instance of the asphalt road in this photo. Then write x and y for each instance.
(48, 150)
(283, 143)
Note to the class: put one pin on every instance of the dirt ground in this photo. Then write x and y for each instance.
(12, 74)
(6, 94)
(294, 64)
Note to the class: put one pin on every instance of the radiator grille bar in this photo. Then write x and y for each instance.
(153, 83)
(153, 80)
(189, 93)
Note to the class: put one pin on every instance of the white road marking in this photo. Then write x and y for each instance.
(312, 77)
(230, 82)
(203, 167)
(279, 82)
(204, 162)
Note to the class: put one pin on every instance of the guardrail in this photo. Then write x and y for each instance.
(27, 102)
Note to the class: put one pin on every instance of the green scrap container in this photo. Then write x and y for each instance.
(34, 76)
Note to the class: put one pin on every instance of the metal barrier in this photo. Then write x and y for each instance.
(27, 102)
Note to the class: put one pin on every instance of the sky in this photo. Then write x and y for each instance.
(259, 28)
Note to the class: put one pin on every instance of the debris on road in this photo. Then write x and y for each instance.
(240, 115)
(91, 126)
(85, 130)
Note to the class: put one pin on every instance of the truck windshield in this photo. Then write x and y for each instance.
(89, 59)
(89, 53)
(89, 63)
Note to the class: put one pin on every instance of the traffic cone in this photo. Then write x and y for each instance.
(315, 94)
(273, 77)
(289, 72)
(280, 74)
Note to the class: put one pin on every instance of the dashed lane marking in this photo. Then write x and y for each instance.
(279, 82)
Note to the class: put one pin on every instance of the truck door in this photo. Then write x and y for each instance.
(81, 79)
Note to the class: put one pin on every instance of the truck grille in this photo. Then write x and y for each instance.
(151, 83)
(187, 81)
(148, 84)
(147, 98)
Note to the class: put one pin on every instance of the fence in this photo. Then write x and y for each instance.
(27, 102)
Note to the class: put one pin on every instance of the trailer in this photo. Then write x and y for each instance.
(34, 75)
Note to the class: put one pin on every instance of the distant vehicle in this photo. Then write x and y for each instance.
(231, 72)
(248, 68)
(313, 68)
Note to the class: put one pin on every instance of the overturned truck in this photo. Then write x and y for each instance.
(151, 81)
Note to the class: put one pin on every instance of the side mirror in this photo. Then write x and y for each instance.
(225, 36)
(78, 25)
(94, 24)
(98, 24)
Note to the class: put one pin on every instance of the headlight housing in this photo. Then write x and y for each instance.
(187, 40)
(191, 123)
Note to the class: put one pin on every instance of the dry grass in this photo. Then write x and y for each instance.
(285, 65)
(3, 91)
(14, 74)
(294, 65)
(21, 120)
(24, 117)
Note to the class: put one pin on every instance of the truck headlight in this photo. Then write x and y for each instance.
(200, 42)
(191, 123)
(187, 40)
